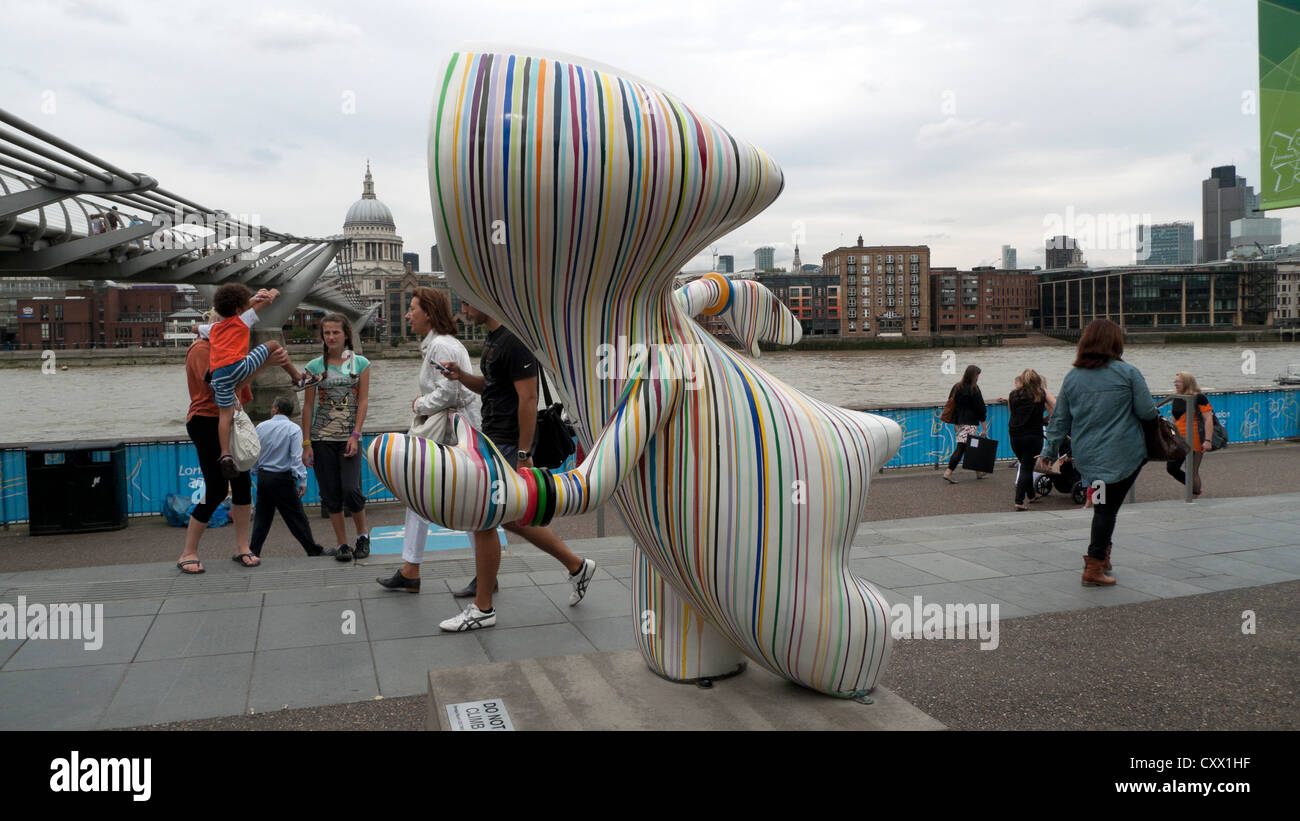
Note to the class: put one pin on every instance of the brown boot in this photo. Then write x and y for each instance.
(1106, 564)
(1093, 575)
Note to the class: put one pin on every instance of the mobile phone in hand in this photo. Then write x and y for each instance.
(440, 367)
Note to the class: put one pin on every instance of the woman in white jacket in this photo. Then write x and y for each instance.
(440, 397)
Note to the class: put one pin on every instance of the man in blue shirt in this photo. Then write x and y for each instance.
(281, 482)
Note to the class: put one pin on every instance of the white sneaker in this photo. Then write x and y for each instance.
(580, 580)
(471, 618)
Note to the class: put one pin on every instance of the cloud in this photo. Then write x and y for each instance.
(296, 31)
(955, 130)
(88, 10)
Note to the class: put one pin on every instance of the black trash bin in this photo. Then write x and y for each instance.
(76, 487)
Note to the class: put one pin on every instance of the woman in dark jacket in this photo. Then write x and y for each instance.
(1027, 406)
(970, 417)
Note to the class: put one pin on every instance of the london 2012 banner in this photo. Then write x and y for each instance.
(1279, 110)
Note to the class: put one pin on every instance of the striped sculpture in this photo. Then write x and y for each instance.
(566, 196)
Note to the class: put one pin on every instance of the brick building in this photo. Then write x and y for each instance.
(101, 317)
(814, 299)
(884, 289)
(983, 300)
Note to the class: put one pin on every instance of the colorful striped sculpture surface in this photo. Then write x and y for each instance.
(566, 197)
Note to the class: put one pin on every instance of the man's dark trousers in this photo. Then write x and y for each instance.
(279, 491)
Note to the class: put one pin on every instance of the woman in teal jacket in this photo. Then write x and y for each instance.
(1101, 407)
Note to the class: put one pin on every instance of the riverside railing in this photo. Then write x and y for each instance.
(155, 468)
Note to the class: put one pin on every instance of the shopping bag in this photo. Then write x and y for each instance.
(980, 453)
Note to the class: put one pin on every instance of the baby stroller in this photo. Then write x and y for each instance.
(1069, 480)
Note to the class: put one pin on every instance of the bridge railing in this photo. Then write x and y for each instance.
(155, 468)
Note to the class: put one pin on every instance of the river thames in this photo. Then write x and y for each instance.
(96, 402)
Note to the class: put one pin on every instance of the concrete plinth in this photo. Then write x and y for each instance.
(271, 381)
(615, 691)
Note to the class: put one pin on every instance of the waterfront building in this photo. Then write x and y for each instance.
(1063, 252)
(1167, 243)
(813, 298)
(13, 289)
(982, 300)
(764, 258)
(1225, 294)
(1008, 258)
(397, 298)
(726, 264)
(101, 317)
(1224, 197)
(884, 289)
(375, 251)
(1254, 233)
(1288, 294)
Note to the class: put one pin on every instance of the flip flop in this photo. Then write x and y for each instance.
(239, 559)
(182, 565)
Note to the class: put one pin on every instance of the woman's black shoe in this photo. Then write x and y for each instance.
(470, 590)
(400, 582)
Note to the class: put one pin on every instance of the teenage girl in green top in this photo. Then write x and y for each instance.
(332, 415)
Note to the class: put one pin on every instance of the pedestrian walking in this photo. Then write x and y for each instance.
(509, 390)
(429, 315)
(1027, 407)
(281, 481)
(1101, 407)
(970, 417)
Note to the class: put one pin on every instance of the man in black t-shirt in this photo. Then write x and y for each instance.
(509, 390)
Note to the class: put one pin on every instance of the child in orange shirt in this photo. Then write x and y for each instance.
(231, 361)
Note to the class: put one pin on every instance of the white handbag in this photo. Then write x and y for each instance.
(245, 447)
(436, 427)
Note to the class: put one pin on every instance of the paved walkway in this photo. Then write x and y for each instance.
(234, 640)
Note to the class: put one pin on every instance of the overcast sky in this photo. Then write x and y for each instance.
(958, 125)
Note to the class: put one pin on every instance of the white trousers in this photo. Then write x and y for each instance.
(417, 533)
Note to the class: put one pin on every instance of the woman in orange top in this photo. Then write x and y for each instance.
(1203, 428)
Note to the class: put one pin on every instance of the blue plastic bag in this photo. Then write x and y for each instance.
(177, 510)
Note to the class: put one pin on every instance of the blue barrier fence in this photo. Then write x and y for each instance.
(154, 469)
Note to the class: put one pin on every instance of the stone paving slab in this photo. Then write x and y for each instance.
(200, 633)
(121, 638)
(235, 639)
(178, 689)
(890, 572)
(533, 642)
(404, 664)
(67, 698)
(312, 676)
(309, 624)
(949, 568)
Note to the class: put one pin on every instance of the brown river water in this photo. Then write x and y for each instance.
(95, 402)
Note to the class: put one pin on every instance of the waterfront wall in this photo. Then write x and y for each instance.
(156, 468)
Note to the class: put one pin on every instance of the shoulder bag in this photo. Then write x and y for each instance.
(949, 414)
(553, 436)
(245, 447)
(1164, 442)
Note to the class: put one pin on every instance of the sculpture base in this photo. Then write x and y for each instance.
(271, 381)
(615, 691)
